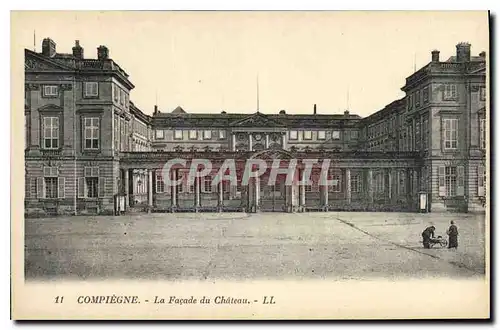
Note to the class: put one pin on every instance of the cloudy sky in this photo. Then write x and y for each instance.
(209, 61)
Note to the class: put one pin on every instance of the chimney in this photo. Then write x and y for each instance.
(463, 52)
(314, 109)
(48, 47)
(346, 113)
(78, 50)
(482, 55)
(102, 53)
(435, 55)
(155, 110)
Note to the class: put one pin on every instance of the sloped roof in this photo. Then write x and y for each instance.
(178, 110)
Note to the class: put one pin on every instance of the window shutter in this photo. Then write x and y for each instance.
(460, 180)
(81, 187)
(102, 187)
(480, 181)
(61, 186)
(441, 181)
(40, 187)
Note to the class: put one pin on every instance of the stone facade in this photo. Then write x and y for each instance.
(87, 144)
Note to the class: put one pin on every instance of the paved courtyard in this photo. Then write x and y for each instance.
(211, 246)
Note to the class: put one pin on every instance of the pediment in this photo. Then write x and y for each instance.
(51, 107)
(35, 62)
(256, 120)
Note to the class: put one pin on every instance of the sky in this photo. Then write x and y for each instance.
(207, 62)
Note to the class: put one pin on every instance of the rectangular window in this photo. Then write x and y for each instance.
(207, 184)
(482, 133)
(426, 94)
(425, 133)
(450, 92)
(92, 187)
(50, 90)
(321, 135)
(123, 138)
(159, 134)
(451, 181)
(355, 184)
(222, 134)
(409, 102)
(354, 135)
(337, 185)
(50, 187)
(193, 134)
(379, 182)
(482, 93)
(178, 134)
(90, 182)
(122, 97)
(117, 132)
(294, 135)
(307, 135)
(160, 184)
(51, 132)
(417, 98)
(91, 133)
(336, 135)
(50, 181)
(91, 88)
(207, 134)
(116, 92)
(180, 179)
(450, 131)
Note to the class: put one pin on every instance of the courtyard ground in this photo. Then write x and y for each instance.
(210, 246)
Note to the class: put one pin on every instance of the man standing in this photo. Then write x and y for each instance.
(426, 235)
(453, 236)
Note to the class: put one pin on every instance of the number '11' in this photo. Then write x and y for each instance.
(59, 299)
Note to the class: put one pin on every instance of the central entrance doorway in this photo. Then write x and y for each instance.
(272, 196)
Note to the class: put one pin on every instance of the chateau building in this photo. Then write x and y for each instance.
(87, 144)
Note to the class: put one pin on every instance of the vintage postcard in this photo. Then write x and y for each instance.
(250, 165)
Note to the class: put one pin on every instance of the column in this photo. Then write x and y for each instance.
(369, 185)
(220, 196)
(267, 141)
(173, 176)
(150, 189)
(126, 183)
(348, 185)
(257, 193)
(250, 142)
(283, 141)
(251, 194)
(392, 189)
(409, 187)
(302, 191)
(233, 142)
(196, 192)
(324, 197)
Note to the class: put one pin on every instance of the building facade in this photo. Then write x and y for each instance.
(87, 144)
